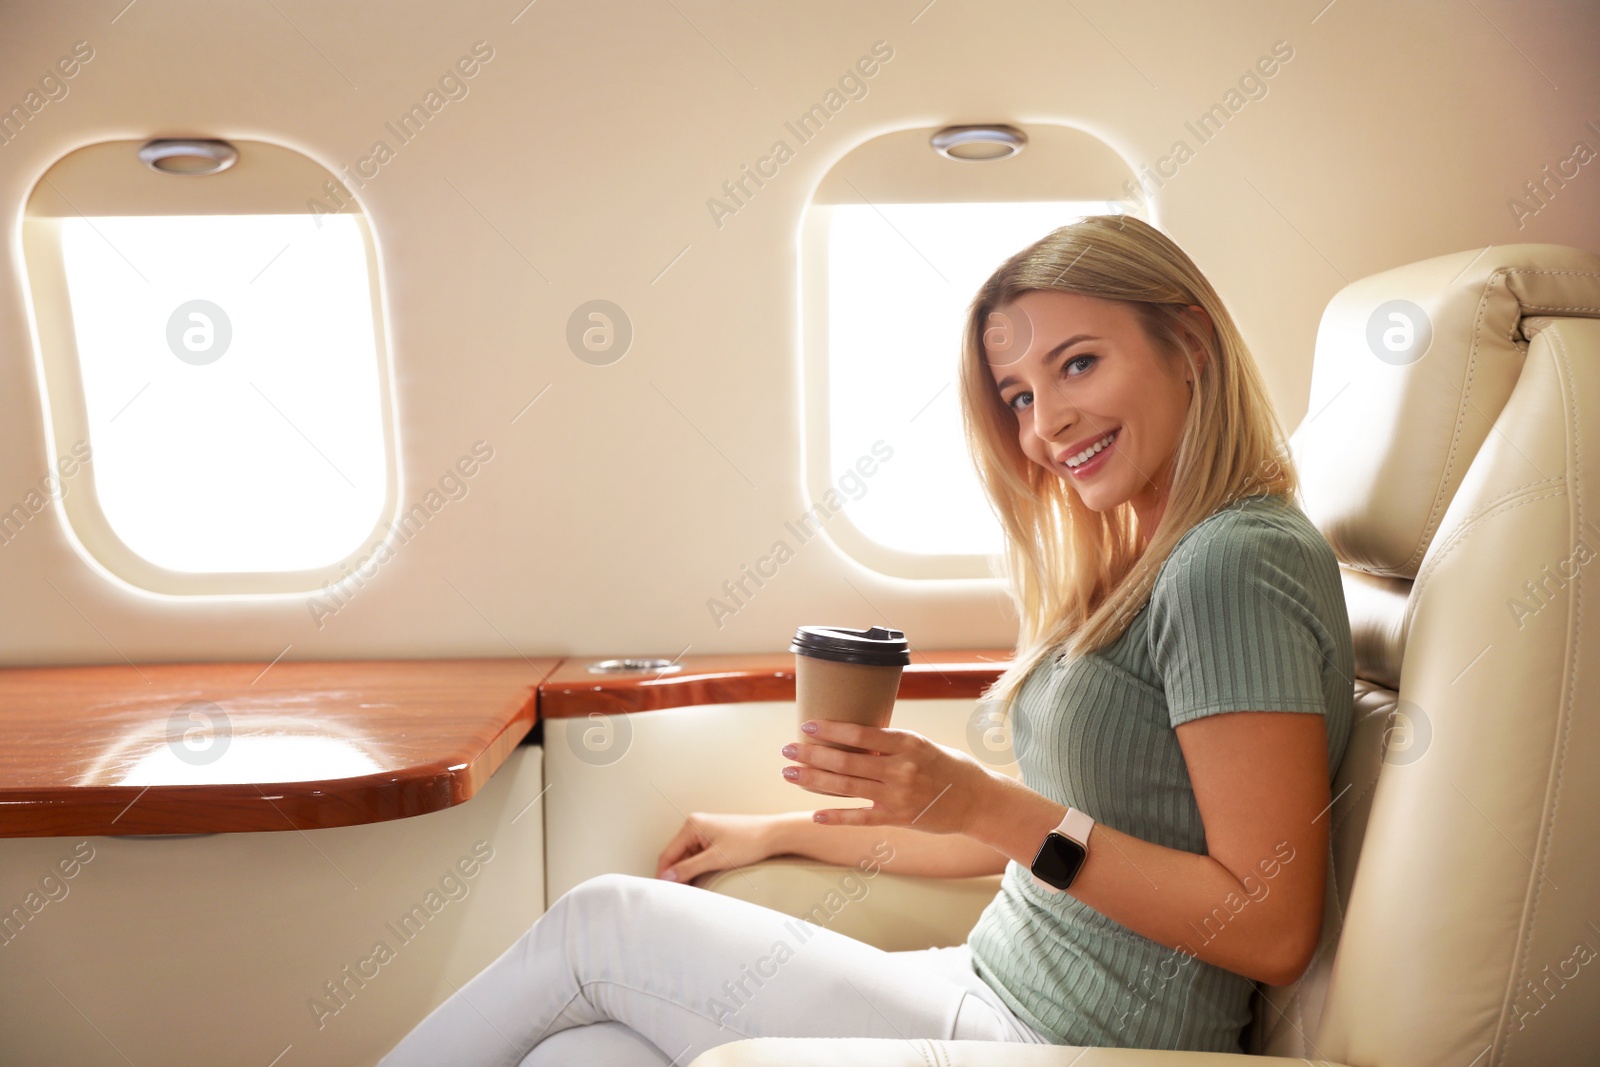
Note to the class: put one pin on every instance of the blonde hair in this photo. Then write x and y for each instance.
(1077, 575)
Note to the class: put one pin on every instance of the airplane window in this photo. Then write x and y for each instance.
(215, 340)
(895, 241)
(231, 380)
(900, 277)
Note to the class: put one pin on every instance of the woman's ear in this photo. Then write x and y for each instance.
(1203, 327)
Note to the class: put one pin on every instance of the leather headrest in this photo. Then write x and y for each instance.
(1412, 368)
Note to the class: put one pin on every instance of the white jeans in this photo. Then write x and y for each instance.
(624, 971)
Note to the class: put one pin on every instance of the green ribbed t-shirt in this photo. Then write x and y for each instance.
(1246, 614)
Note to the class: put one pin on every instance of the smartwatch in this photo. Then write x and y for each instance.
(1064, 850)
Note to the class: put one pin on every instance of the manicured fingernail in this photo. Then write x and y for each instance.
(671, 876)
(791, 773)
(809, 727)
(790, 750)
(819, 816)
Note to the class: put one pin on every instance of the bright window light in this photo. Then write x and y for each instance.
(900, 277)
(231, 380)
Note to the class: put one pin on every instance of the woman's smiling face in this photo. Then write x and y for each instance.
(1076, 370)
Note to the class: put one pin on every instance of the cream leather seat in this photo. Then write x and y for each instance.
(1457, 477)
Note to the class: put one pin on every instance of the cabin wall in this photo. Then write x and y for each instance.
(318, 947)
(606, 813)
(579, 165)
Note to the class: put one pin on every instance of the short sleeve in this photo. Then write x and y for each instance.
(1234, 624)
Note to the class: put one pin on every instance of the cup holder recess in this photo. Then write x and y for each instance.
(635, 666)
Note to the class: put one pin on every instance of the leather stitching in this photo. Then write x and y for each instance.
(1510, 501)
(1549, 270)
(1455, 433)
(1575, 627)
(1502, 275)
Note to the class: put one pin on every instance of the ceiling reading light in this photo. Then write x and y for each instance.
(184, 156)
(979, 144)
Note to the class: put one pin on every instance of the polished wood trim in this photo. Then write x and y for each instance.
(572, 691)
(250, 747)
(127, 750)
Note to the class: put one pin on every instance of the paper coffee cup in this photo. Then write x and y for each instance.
(847, 675)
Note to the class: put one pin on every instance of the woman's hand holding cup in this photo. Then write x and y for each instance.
(847, 675)
(910, 780)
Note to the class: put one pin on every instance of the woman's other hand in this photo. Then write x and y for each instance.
(709, 842)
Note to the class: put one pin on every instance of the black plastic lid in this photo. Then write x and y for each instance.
(876, 646)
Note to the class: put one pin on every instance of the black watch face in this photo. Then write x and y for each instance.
(1058, 860)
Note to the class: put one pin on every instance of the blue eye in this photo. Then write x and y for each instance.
(1088, 362)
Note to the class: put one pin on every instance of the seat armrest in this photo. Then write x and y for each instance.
(895, 912)
(889, 1052)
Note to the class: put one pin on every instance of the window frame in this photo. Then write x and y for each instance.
(901, 167)
(108, 176)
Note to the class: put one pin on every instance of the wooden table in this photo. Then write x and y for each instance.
(573, 691)
(229, 747)
(237, 747)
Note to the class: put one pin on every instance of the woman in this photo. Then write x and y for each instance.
(1180, 616)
